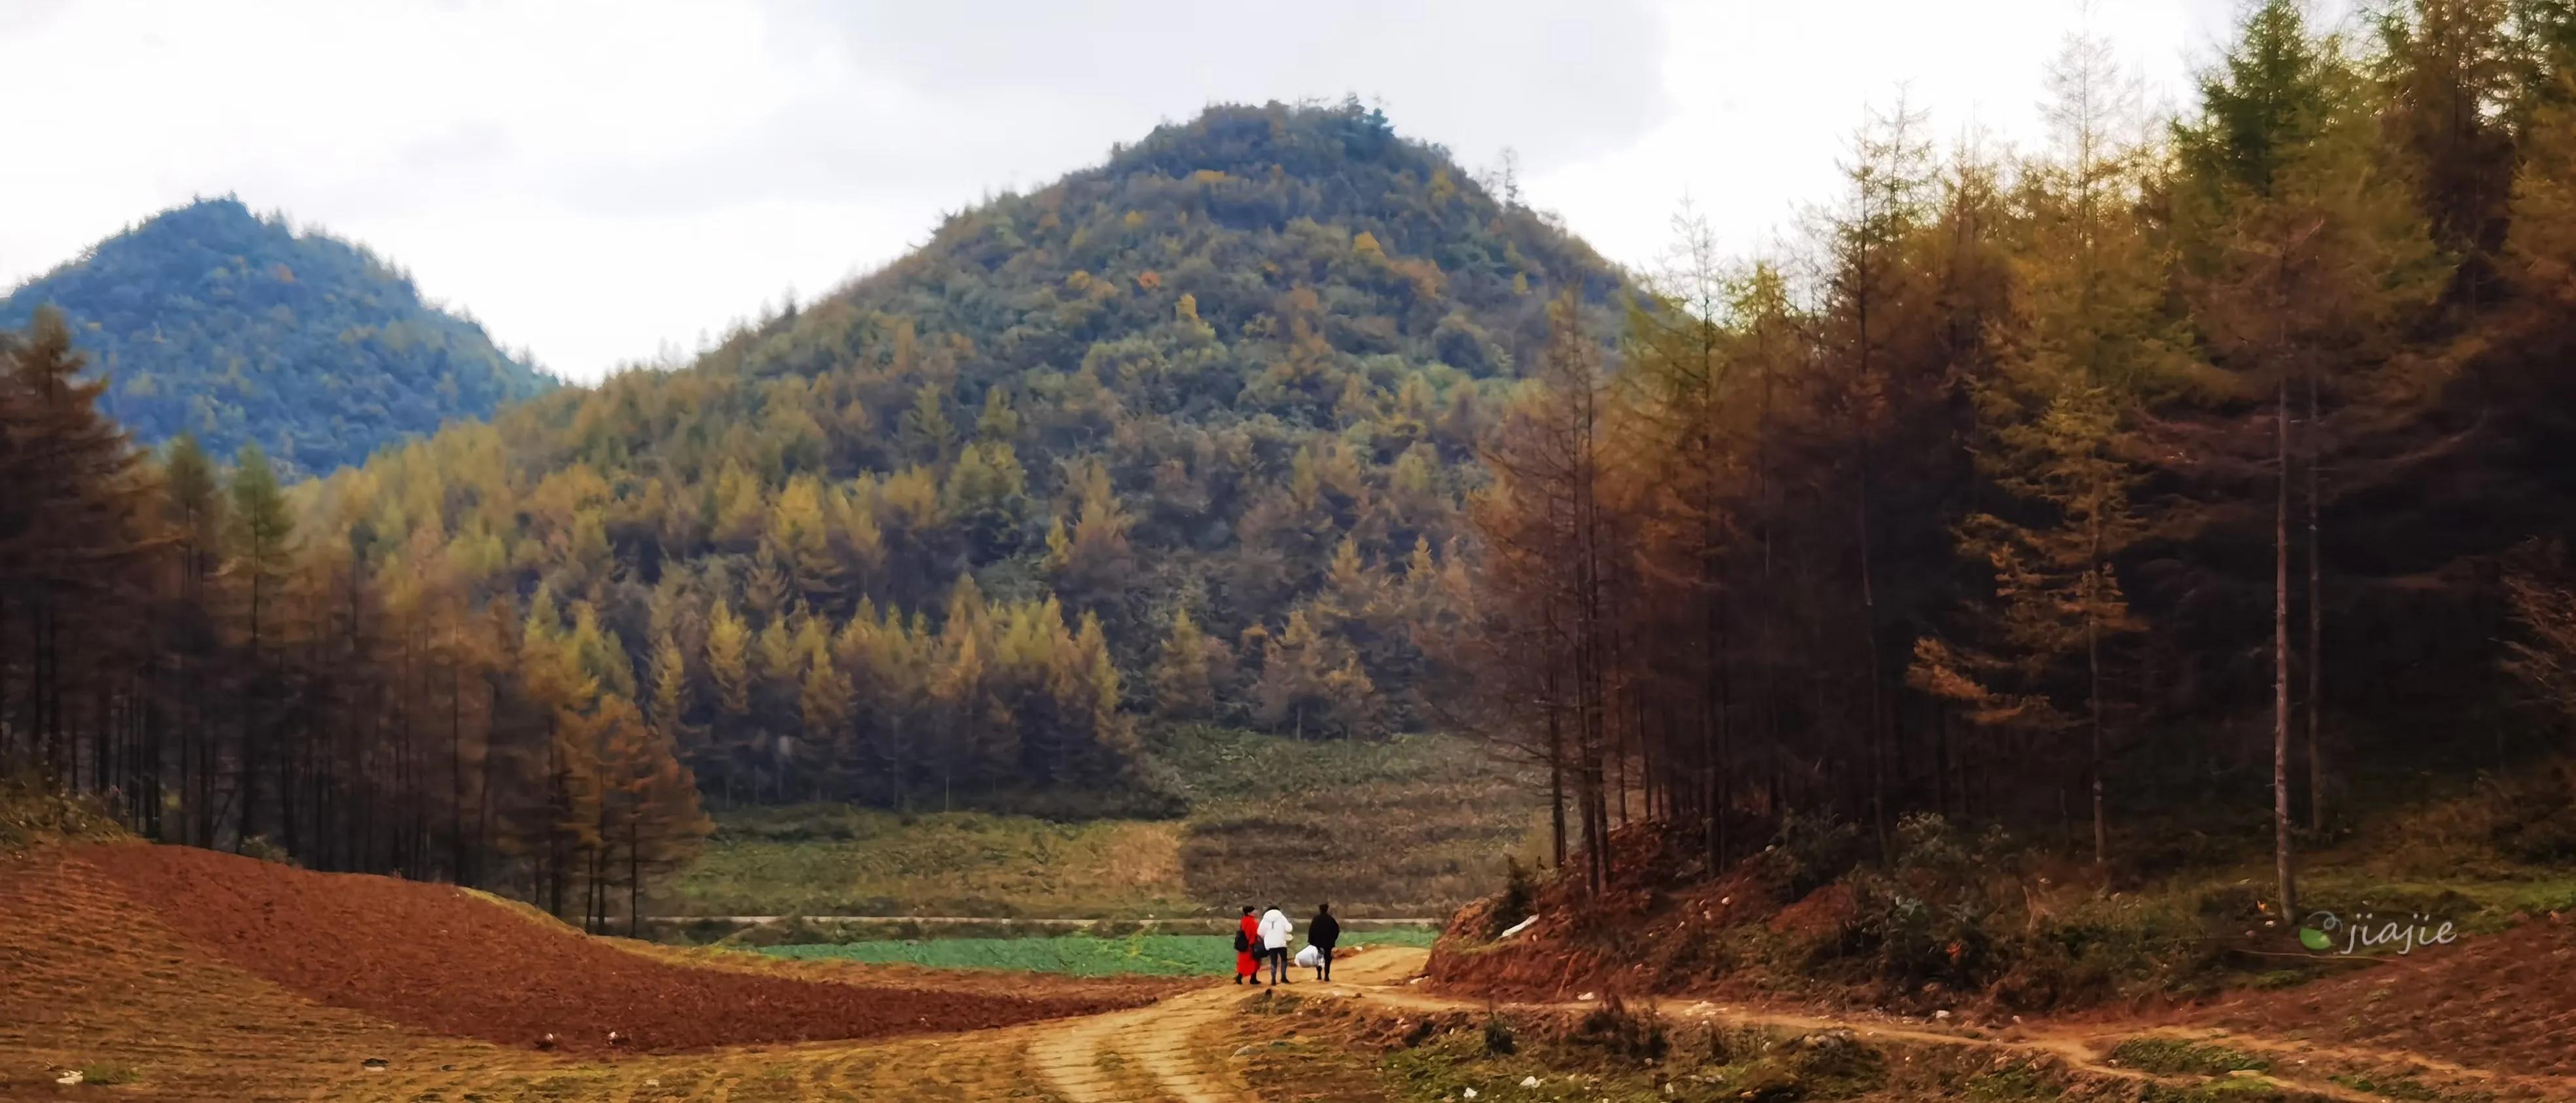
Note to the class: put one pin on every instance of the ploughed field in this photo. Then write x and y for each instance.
(200, 975)
(165, 973)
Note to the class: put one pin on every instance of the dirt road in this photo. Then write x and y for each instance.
(93, 980)
(1174, 1049)
(1177, 1049)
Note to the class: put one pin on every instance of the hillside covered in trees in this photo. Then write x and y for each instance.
(2186, 487)
(218, 323)
(1184, 435)
(2178, 486)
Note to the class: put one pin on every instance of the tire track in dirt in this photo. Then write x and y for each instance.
(2085, 1050)
(1083, 1059)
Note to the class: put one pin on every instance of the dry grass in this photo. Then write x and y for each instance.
(1411, 826)
(34, 812)
(851, 861)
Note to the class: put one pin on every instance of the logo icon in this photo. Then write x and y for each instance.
(2324, 930)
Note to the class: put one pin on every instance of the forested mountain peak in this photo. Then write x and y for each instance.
(1187, 432)
(212, 320)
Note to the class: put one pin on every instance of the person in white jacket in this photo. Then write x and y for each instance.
(1275, 929)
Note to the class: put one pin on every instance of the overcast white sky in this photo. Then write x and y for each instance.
(597, 181)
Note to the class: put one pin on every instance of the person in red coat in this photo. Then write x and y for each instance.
(1247, 946)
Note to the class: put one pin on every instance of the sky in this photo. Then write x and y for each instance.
(604, 184)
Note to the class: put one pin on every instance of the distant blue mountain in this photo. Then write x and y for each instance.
(214, 321)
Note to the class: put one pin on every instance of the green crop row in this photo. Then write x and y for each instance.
(1149, 954)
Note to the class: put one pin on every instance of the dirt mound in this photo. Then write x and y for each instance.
(436, 958)
(1637, 938)
(2503, 1001)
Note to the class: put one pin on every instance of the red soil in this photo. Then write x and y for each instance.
(437, 958)
(2503, 1001)
(1652, 930)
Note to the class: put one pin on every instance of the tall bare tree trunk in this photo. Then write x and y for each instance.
(634, 875)
(1556, 769)
(2093, 676)
(2093, 662)
(2316, 626)
(2281, 653)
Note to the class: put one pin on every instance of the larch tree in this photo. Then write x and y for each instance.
(1185, 674)
(2303, 255)
(194, 514)
(729, 674)
(262, 543)
(650, 814)
(2087, 338)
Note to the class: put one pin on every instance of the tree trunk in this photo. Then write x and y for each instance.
(634, 877)
(1874, 733)
(2281, 653)
(455, 771)
(2316, 627)
(1556, 776)
(2093, 686)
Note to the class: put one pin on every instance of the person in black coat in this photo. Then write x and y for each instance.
(1322, 933)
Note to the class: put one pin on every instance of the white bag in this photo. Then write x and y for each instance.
(1309, 957)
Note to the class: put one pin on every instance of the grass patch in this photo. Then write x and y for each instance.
(34, 812)
(839, 860)
(110, 1072)
(2176, 1056)
(2011, 1084)
(1167, 955)
(2401, 1088)
(1410, 826)
(1570, 1061)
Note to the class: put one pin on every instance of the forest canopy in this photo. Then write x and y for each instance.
(235, 329)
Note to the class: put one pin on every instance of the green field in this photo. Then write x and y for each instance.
(1406, 827)
(1170, 955)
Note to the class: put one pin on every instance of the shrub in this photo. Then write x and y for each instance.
(109, 1072)
(1834, 1063)
(1810, 852)
(2175, 1056)
(1519, 898)
(1632, 1034)
(2527, 816)
(1498, 1037)
(2099, 949)
(2231, 904)
(258, 846)
(33, 810)
(1928, 918)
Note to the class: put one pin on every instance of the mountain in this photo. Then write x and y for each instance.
(1186, 432)
(214, 321)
